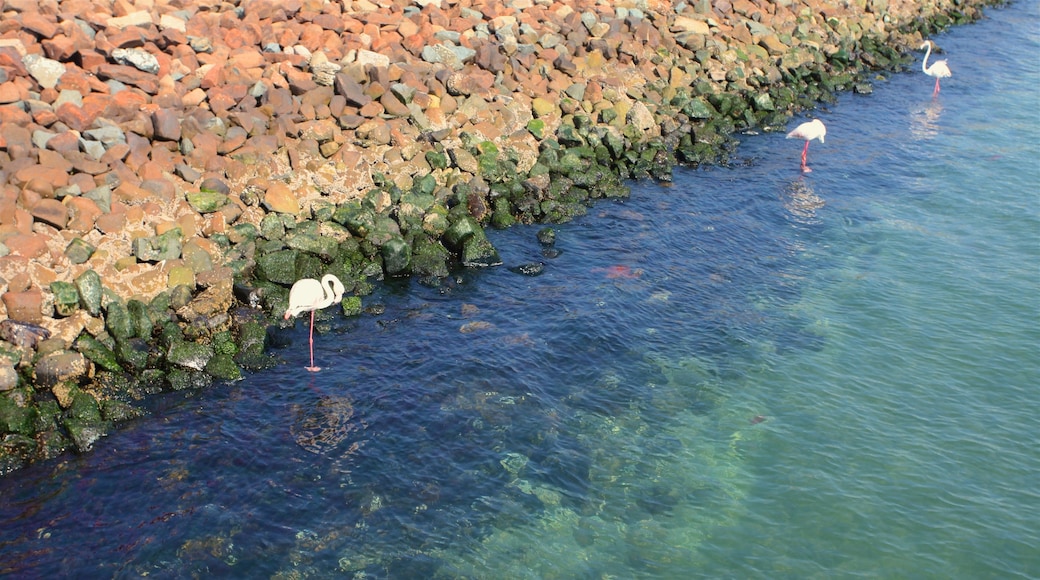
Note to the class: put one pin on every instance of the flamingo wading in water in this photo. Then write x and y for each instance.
(814, 129)
(939, 68)
(309, 295)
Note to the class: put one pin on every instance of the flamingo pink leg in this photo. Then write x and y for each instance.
(805, 155)
(936, 91)
(312, 368)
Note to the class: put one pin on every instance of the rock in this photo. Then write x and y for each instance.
(44, 70)
(79, 251)
(205, 202)
(166, 246)
(89, 286)
(280, 198)
(25, 307)
(59, 367)
(140, 59)
(97, 352)
(66, 298)
(8, 381)
(189, 355)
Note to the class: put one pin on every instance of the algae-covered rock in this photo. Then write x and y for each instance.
(206, 201)
(251, 344)
(166, 246)
(97, 352)
(140, 319)
(278, 267)
(84, 421)
(222, 366)
(429, 257)
(468, 240)
(181, 379)
(88, 284)
(134, 352)
(79, 251)
(189, 355)
(17, 413)
(397, 256)
(116, 411)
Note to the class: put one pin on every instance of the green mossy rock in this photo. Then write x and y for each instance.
(223, 367)
(17, 414)
(88, 284)
(190, 355)
(206, 201)
(278, 267)
(66, 298)
(97, 352)
(397, 255)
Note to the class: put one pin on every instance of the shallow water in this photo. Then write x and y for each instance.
(751, 373)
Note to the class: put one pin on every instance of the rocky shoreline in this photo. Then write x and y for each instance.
(170, 168)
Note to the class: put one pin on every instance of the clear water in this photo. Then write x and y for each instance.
(752, 373)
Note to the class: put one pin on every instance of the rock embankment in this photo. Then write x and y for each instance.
(168, 168)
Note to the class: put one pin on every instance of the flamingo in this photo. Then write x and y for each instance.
(812, 130)
(308, 294)
(939, 69)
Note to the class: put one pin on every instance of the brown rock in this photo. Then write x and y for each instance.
(51, 211)
(24, 306)
(167, 125)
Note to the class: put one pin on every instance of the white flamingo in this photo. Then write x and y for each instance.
(309, 295)
(939, 68)
(814, 129)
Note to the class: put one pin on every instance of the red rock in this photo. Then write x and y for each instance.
(39, 25)
(24, 306)
(51, 211)
(11, 92)
(27, 245)
(10, 58)
(55, 177)
(90, 59)
(280, 198)
(129, 75)
(167, 125)
(75, 116)
(60, 48)
(64, 142)
(111, 223)
(83, 212)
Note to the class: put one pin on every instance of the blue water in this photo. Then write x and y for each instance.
(750, 373)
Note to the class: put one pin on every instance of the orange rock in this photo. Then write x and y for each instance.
(280, 198)
(83, 213)
(24, 306)
(27, 245)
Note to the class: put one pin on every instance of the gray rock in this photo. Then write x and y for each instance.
(44, 70)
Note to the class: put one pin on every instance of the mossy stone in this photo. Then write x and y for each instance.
(66, 298)
(88, 284)
(278, 267)
(222, 366)
(206, 201)
(79, 251)
(396, 255)
(17, 414)
(97, 352)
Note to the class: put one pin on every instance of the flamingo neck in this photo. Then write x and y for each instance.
(927, 53)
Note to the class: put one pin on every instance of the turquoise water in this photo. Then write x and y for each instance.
(750, 373)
